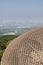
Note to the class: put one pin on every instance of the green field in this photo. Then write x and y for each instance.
(4, 41)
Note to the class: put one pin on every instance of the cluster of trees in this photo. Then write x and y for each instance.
(4, 41)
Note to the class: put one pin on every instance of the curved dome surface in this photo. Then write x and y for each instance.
(27, 49)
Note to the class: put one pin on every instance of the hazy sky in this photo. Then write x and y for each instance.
(21, 11)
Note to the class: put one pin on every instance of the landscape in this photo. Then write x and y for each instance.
(18, 17)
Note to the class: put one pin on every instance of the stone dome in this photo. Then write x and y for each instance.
(27, 49)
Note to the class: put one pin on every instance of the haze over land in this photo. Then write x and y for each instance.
(17, 16)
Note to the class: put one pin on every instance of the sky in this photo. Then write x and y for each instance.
(25, 11)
